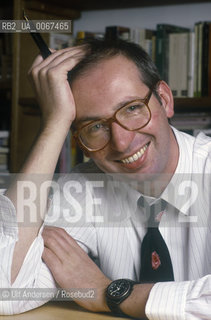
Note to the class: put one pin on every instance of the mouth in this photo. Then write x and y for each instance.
(136, 156)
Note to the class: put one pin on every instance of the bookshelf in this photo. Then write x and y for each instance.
(25, 114)
(5, 91)
(185, 105)
(23, 120)
(82, 5)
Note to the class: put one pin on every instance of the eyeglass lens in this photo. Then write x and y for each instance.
(132, 116)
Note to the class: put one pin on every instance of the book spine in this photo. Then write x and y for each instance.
(200, 44)
(134, 35)
(162, 44)
(173, 64)
(205, 49)
(209, 62)
(154, 48)
(116, 32)
(191, 48)
(160, 51)
(196, 59)
(183, 63)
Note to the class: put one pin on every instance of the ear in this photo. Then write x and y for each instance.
(166, 98)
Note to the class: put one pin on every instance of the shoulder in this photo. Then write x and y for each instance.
(202, 153)
(197, 149)
(81, 174)
(202, 145)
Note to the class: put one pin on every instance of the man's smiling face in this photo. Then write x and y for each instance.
(99, 92)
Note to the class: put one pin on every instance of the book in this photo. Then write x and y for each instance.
(178, 63)
(202, 57)
(59, 41)
(117, 32)
(191, 64)
(196, 58)
(4, 138)
(87, 35)
(4, 134)
(3, 158)
(4, 149)
(205, 58)
(199, 69)
(162, 46)
(134, 35)
(173, 62)
(209, 63)
(183, 40)
(143, 37)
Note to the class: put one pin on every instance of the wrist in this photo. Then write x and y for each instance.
(134, 306)
(51, 124)
(117, 292)
(98, 302)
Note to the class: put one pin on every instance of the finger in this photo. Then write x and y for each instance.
(61, 235)
(39, 61)
(59, 68)
(65, 60)
(57, 240)
(51, 259)
(59, 58)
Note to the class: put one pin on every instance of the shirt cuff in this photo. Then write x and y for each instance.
(8, 219)
(167, 301)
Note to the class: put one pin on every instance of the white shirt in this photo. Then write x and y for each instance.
(116, 242)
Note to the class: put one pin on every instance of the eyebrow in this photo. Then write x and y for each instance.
(118, 106)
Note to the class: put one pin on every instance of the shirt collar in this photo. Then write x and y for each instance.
(177, 193)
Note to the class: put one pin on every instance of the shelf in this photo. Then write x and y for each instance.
(202, 104)
(5, 84)
(82, 5)
(30, 106)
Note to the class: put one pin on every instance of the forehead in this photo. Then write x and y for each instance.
(107, 84)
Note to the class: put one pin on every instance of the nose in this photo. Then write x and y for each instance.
(120, 137)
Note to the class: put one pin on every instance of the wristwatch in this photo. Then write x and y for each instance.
(117, 292)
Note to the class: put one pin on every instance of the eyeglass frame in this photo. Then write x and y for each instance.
(112, 119)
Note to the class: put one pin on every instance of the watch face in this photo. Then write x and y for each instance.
(118, 288)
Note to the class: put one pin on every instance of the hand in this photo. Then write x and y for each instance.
(72, 268)
(52, 89)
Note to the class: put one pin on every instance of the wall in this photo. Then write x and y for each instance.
(185, 15)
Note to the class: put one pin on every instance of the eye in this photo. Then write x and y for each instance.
(95, 127)
(134, 108)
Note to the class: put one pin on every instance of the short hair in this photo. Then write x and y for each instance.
(99, 50)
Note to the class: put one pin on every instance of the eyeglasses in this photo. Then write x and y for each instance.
(133, 116)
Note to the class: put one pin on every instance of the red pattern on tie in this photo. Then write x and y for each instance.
(155, 261)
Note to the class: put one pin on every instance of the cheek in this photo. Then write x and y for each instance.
(159, 122)
(98, 156)
(154, 124)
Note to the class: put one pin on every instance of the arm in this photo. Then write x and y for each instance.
(49, 79)
(72, 268)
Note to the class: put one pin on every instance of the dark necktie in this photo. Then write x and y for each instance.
(156, 263)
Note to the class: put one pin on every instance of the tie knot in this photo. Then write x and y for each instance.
(153, 211)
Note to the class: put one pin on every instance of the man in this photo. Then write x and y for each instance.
(118, 109)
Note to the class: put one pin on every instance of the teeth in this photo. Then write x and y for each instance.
(136, 155)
